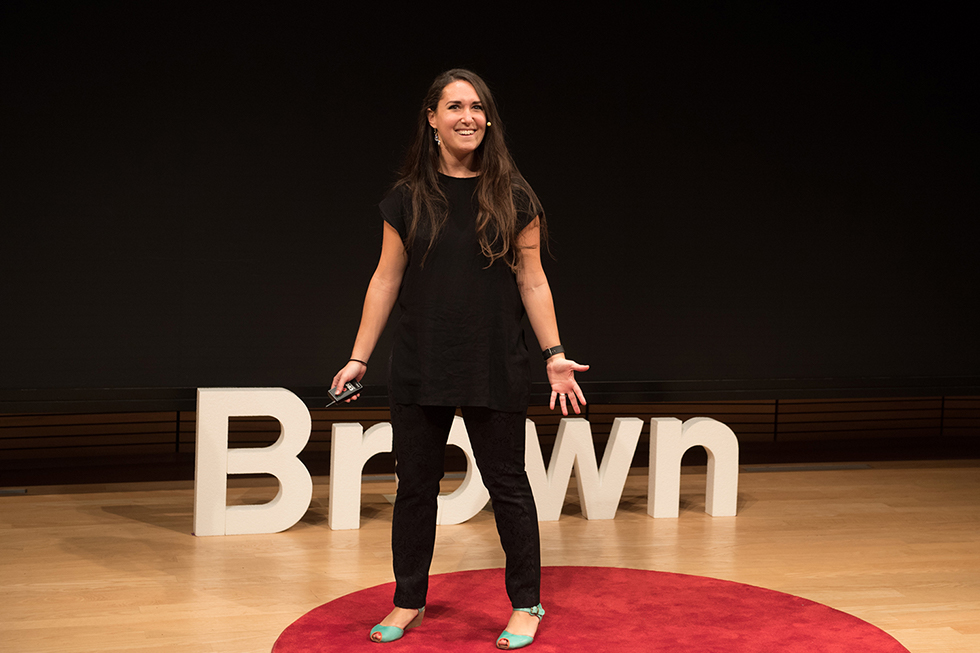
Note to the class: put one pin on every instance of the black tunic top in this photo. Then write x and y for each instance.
(459, 340)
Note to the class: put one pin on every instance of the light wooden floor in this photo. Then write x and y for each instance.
(116, 568)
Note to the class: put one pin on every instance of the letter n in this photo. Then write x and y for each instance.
(669, 439)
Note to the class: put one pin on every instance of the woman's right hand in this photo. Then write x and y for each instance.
(352, 371)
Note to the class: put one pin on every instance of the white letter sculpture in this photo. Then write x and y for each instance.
(214, 461)
(599, 488)
(471, 495)
(669, 439)
(349, 451)
(350, 448)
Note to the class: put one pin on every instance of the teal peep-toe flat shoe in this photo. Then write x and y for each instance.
(519, 641)
(391, 633)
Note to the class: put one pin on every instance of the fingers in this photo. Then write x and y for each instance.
(565, 398)
(575, 397)
(339, 385)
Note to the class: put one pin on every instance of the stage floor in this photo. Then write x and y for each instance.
(115, 568)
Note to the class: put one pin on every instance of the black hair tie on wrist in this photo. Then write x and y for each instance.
(548, 353)
(354, 360)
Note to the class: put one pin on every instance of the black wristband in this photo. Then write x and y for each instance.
(548, 353)
(354, 360)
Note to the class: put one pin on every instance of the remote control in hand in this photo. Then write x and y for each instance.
(351, 388)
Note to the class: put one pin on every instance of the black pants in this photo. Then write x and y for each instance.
(419, 442)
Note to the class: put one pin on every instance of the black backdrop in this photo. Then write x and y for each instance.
(740, 196)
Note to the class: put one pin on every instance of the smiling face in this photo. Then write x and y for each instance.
(460, 120)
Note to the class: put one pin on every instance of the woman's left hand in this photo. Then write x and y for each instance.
(564, 388)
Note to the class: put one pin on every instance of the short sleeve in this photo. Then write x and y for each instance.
(526, 204)
(393, 211)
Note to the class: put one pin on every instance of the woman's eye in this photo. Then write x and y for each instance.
(478, 107)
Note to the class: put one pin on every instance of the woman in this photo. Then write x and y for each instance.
(461, 254)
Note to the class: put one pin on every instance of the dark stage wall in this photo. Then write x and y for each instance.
(735, 194)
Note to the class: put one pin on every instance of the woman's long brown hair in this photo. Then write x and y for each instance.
(496, 220)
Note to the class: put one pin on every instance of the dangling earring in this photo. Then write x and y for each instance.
(436, 133)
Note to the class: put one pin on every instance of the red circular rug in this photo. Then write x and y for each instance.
(592, 609)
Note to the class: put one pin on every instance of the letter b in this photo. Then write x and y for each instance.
(214, 461)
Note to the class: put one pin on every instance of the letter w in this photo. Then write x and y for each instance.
(599, 488)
